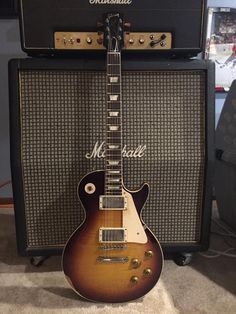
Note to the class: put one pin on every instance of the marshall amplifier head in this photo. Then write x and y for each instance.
(169, 27)
(58, 127)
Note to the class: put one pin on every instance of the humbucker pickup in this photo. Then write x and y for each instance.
(112, 235)
(112, 202)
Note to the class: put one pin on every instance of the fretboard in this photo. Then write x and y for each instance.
(113, 176)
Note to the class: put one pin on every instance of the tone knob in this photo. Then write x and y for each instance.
(89, 40)
(134, 280)
(147, 272)
(135, 263)
(131, 41)
(141, 41)
(149, 253)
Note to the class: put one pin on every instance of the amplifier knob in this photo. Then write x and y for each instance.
(89, 40)
(134, 280)
(100, 41)
(131, 41)
(141, 41)
(147, 272)
(71, 41)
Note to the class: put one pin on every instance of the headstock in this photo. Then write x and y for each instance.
(113, 32)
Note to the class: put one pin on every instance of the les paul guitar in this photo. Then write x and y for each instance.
(112, 256)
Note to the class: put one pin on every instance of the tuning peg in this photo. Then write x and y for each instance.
(100, 24)
(127, 25)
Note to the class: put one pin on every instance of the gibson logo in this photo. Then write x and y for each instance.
(99, 151)
(110, 1)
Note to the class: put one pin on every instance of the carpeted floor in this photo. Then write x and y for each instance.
(206, 286)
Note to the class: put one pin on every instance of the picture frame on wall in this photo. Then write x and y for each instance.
(221, 45)
(8, 8)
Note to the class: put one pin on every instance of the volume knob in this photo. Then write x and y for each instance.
(135, 263)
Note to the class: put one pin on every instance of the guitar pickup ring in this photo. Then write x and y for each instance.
(112, 202)
(112, 235)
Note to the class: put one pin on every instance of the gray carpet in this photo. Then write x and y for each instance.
(206, 286)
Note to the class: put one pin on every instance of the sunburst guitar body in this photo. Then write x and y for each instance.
(106, 266)
(112, 256)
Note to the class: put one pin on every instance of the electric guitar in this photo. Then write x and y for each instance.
(112, 256)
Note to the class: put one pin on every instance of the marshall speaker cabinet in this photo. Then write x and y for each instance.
(57, 111)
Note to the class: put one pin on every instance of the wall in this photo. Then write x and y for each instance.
(10, 48)
(220, 97)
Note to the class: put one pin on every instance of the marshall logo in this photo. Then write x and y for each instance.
(99, 151)
(110, 1)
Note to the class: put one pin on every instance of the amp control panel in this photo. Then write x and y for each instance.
(94, 41)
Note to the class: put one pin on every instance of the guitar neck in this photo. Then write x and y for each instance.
(113, 177)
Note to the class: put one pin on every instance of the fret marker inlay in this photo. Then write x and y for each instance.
(113, 146)
(113, 162)
(113, 127)
(113, 113)
(114, 97)
(114, 79)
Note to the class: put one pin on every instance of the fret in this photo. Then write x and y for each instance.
(113, 180)
(111, 187)
(113, 53)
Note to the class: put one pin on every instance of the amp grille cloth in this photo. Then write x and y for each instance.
(63, 115)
